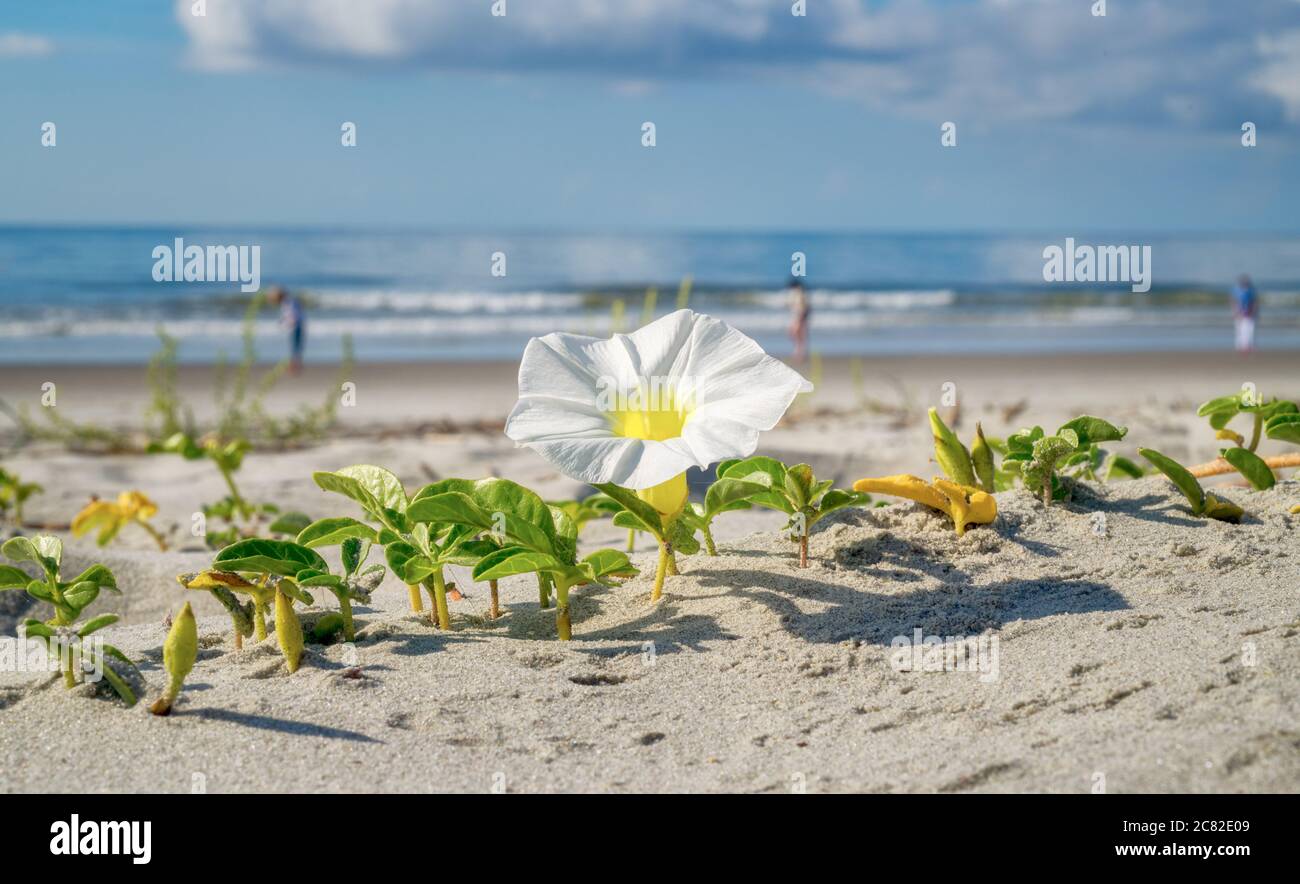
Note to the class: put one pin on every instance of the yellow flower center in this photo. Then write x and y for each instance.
(657, 414)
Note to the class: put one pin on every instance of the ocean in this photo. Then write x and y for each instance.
(89, 294)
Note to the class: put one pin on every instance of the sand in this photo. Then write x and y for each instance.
(1136, 646)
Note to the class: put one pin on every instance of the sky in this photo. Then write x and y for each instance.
(764, 120)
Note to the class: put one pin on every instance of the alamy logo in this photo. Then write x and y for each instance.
(90, 838)
(182, 263)
(1085, 263)
(953, 653)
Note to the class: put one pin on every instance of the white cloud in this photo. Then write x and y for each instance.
(16, 45)
(1177, 62)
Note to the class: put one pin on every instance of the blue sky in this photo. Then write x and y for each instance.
(764, 120)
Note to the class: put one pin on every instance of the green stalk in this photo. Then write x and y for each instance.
(665, 553)
(259, 616)
(708, 541)
(631, 539)
(562, 624)
(440, 600)
(1254, 436)
(543, 591)
(153, 532)
(345, 608)
(417, 603)
(234, 492)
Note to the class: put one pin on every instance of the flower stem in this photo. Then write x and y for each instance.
(708, 541)
(672, 562)
(259, 618)
(440, 600)
(1254, 436)
(631, 539)
(563, 626)
(345, 608)
(495, 610)
(417, 603)
(153, 532)
(665, 553)
(803, 549)
(543, 591)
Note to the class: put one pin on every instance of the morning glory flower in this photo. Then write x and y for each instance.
(639, 410)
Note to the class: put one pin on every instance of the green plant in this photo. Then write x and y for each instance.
(62, 634)
(180, 650)
(793, 490)
(357, 582)
(1277, 419)
(724, 495)
(971, 468)
(1038, 457)
(241, 516)
(1203, 503)
(527, 537)
(279, 566)
(222, 586)
(14, 492)
(672, 532)
(417, 550)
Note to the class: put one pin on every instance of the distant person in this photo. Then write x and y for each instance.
(801, 310)
(294, 318)
(1245, 309)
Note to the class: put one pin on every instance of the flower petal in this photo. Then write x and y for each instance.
(544, 418)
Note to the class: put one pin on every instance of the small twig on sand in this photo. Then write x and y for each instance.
(1220, 466)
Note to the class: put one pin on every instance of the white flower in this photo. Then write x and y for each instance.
(639, 410)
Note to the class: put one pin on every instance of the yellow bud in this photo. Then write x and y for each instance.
(182, 646)
(288, 631)
(180, 650)
(667, 497)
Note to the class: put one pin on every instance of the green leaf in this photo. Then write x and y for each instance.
(294, 591)
(683, 538)
(511, 560)
(81, 595)
(315, 578)
(13, 578)
(502, 495)
(352, 552)
(610, 563)
(1125, 466)
(1222, 510)
(450, 508)
(258, 556)
(1284, 428)
(38, 629)
(799, 485)
(327, 532)
(1229, 405)
(96, 623)
(375, 488)
(1180, 476)
(408, 563)
(1021, 444)
(644, 513)
(98, 575)
(1250, 465)
(952, 456)
(291, 523)
(838, 499)
(981, 458)
(1090, 430)
(728, 494)
(35, 550)
(762, 470)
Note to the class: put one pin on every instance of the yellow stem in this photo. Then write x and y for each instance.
(440, 600)
(417, 603)
(665, 553)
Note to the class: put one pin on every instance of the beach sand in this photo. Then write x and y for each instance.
(1135, 644)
